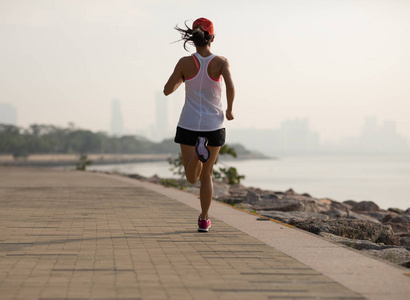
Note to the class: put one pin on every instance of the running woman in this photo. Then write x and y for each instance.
(200, 130)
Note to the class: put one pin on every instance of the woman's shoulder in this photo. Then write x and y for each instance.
(185, 59)
(220, 59)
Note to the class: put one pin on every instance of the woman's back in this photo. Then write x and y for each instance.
(190, 69)
(202, 110)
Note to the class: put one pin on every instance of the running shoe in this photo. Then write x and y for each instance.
(201, 149)
(203, 225)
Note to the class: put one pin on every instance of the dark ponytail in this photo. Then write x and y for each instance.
(196, 37)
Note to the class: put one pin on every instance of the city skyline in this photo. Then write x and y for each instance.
(293, 136)
(116, 118)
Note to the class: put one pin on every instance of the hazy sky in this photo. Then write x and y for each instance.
(333, 61)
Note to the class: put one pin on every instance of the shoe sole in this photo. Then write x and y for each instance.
(202, 152)
(203, 229)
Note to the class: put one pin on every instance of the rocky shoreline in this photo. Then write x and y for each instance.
(360, 225)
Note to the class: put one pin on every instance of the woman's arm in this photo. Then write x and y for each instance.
(174, 80)
(230, 89)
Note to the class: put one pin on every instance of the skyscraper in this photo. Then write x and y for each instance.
(116, 118)
(8, 114)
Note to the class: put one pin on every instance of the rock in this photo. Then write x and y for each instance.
(251, 197)
(356, 244)
(335, 213)
(365, 206)
(379, 215)
(137, 176)
(290, 192)
(350, 228)
(350, 203)
(221, 189)
(395, 255)
(272, 202)
(238, 190)
(358, 216)
(337, 205)
(399, 228)
(287, 217)
(406, 264)
(155, 179)
(231, 200)
(400, 219)
(405, 240)
(306, 195)
(399, 223)
(396, 210)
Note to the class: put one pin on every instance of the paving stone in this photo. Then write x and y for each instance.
(73, 235)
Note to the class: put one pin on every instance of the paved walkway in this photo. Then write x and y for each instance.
(77, 235)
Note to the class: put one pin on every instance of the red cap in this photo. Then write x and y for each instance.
(205, 25)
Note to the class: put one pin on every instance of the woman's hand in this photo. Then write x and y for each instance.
(229, 115)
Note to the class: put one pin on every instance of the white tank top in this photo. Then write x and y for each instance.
(202, 110)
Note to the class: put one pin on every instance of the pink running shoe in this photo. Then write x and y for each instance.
(201, 149)
(203, 225)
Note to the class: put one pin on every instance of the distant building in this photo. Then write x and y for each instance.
(8, 114)
(293, 137)
(381, 139)
(116, 118)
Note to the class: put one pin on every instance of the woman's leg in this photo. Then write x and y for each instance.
(192, 165)
(195, 169)
(207, 188)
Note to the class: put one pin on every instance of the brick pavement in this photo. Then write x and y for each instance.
(74, 235)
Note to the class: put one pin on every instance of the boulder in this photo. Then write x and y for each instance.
(155, 179)
(345, 213)
(356, 244)
(400, 219)
(350, 228)
(405, 240)
(221, 189)
(396, 210)
(350, 203)
(365, 206)
(290, 192)
(272, 202)
(380, 215)
(287, 217)
(395, 255)
(406, 264)
(400, 228)
(251, 197)
(137, 176)
(238, 190)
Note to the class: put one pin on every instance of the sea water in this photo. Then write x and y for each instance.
(384, 180)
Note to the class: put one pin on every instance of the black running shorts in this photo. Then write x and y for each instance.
(188, 137)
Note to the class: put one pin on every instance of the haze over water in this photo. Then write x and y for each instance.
(382, 179)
